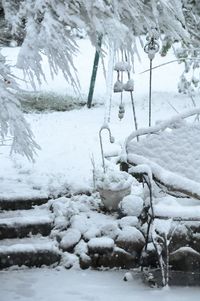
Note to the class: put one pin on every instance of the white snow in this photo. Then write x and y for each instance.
(131, 205)
(68, 141)
(131, 221)
(113, 180)
(60, 164)
(70, 238)
(31, 244)
(76, 285)
(176, 209)
(177, 151)
(186, 250)
(130, 234)
(22, 217)
(101, 242)
(111, 230)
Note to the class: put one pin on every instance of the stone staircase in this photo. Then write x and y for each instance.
(25, 227)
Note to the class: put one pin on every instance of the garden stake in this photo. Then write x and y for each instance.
(151, 48)
(112, 140)
(132, 101)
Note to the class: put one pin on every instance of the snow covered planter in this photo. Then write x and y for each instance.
(113, 186)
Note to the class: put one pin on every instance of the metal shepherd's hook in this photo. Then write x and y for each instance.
(112, 140)
(151, 48)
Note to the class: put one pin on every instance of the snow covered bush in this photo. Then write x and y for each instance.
(12, 121)
(48, 28)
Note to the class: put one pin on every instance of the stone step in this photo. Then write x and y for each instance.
(22, 223)
(21, 203)
(30, 252)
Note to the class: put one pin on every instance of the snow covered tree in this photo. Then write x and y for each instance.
(12, 121)
(189, 53)
(46, 27)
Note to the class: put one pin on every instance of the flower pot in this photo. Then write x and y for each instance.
(112, 198)
(113, 186)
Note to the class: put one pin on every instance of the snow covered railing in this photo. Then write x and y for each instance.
(172, 156)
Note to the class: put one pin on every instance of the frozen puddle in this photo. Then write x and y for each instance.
(75, 285)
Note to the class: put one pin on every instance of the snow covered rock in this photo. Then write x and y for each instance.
(181, 236)
(91, 233)
(81, 248)
(185, 259)
(80, 222)
(70, 239)
(70, 260)
(131, 240)
(131, 205)
(84, 261)
(100, 245)
(149, 256)
(110, 230)
(118, 258)
(127, 221)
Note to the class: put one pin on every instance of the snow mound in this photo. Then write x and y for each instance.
(126, 221)
(101, 242)
(176, 150)
(110, 230)
(114, 180)
(131, 205)
(70, 239)
(130, 234)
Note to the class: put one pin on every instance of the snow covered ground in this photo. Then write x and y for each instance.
(74, 285)
(68, 141)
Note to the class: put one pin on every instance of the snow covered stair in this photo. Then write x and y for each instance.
(24, 234)
(21, 223)
(34, 251)
(16, 203)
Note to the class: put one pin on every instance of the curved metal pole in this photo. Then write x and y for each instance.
(112, 140)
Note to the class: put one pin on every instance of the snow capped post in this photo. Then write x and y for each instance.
(151, 48)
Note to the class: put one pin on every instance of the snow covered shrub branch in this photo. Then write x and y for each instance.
(188, 52)
(48, 27)
(12, 121)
